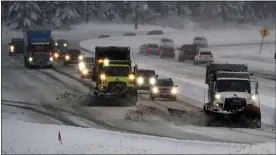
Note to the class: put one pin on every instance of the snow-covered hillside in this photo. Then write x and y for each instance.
(44, 140)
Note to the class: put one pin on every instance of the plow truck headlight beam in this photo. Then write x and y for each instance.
(12, 48)
(64, 44)
(51, 58)
(67, 57)
(253, 97)
(140, 80)
(84, 71)
(56, 44)
(80, 57)
(105, 61)
(30, 59)
(152, 81)
(131, 77)
(81, 66)
(174, 91)
(102, 77)
(217, 96)
(155, 90)
(56, 55)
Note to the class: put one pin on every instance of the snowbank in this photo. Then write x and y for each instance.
(23, 137)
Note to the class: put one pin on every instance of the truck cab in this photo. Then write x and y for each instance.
(113, 73)
(38, 48)
(230, 91)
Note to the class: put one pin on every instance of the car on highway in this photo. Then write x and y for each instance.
(164, 88)
(155, 32)
(167, 52)
(85, 67)
(200, 41)
(16, 46)
(204, 56)
(143, 49)
(130, 34)
(103, 36)
(72, 56)
(145, 78)
(61, 45)
(166, 43)
(152, 48)
(187, 52)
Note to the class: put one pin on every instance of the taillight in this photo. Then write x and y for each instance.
(147, 49)
(157, 49)
(164, 51)
(211, 57)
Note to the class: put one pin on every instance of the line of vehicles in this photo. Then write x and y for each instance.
(197, 52)
(115, 79)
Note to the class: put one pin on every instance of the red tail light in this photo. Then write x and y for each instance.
(211, 57)
(164, 51)
(147, 49)
(157, 49)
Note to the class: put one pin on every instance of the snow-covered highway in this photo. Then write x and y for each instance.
(48, 85)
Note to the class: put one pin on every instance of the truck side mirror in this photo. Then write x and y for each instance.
(156, 76)
(256, 88)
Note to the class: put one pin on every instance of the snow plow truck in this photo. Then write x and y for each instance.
(230, 95)
(113, 76)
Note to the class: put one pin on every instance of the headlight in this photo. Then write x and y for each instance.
(106, 61)
(253, 97)
(12, 47)
(155, 90)
(64, 44)
(80, 57)
(67, 57)
(174, 91)
(131, 77)
(152, 81)
(56, 55)
(140, 80)
(51, 58)
(102, 76)
(84, 71)
(30, 59)
(81, 66)
(217, 96)
(56, 44)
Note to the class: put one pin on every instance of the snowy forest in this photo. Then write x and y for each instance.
(59, 14)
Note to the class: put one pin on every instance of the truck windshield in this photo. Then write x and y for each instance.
(146, 73)
(233, 86)
(116, 70)
(40, 46)
(165, 83)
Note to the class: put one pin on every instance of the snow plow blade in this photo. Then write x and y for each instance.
(247, 117)
(124, 98)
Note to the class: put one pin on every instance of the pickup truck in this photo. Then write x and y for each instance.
(187, 52)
